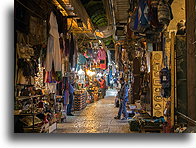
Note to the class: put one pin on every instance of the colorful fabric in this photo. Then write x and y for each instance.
(101, 55)
(102, 66)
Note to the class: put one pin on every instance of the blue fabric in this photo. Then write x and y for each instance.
(126, 92)
(136, 21)
(143, 19)
(123, 109)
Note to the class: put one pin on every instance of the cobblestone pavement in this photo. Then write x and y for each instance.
(97, 117)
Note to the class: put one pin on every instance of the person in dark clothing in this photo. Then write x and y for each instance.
(123, 95)
(71, 99)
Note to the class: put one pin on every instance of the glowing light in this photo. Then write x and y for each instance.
(90, 73)
(80, 72)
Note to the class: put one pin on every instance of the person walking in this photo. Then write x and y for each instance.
(123, 95)
(102, 83)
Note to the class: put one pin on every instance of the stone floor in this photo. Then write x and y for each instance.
(97, 117)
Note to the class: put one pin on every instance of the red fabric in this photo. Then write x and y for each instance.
(103, 66)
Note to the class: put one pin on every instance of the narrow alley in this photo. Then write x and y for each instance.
(104, 66)
(97, 117)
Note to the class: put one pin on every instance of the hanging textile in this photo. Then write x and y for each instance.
(66, 90)
(153, 14)
(101, 54)
(164, 12)
(75, 54)
(139, 19)
(53, 48)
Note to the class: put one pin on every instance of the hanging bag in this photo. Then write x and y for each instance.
(164, 12)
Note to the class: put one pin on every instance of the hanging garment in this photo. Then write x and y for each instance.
(164, 13)
(101, 54)
(140, 17)
(75, 56)
(53, 48)
(153, 13)
(143, 12)
(62, 45)
(136, 20)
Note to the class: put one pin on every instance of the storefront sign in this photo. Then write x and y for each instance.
(157, 100)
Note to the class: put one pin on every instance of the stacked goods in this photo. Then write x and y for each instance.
(96, 93)
(79, 100)
(93, 91)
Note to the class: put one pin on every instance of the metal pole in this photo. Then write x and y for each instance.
(172, 77)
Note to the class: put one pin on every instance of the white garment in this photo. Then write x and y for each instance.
(53, 48)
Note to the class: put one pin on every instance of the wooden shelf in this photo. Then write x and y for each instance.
(28, 97)
(26, 114)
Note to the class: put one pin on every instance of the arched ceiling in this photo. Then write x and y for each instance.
(97, 14)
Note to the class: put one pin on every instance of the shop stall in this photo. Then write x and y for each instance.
(45, 54)
(146, 60)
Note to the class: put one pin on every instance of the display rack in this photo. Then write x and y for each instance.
(43, 128)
